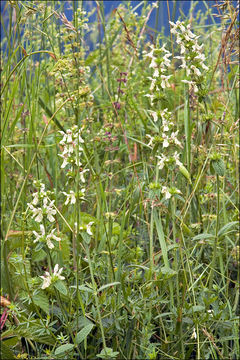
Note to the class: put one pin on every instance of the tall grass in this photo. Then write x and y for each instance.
(146, 241)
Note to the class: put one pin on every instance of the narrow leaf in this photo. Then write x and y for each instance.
(108, 285)
(81, 335)
(64, 348)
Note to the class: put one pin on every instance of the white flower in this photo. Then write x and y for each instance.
(182, 28)
(174, 138)
(70, 197)
(173, 29)
(164, 112)
(47, 238)
(153, 82)
(197, 47)
(183, 49)
(179, 40)
(65, 160)
(190, 34)
(156, 73)
(38, 236)
(154, 115)
(49, 210)
(204, 66)
(188, 82)
(51, 236)
(200, 57)
(70, 141)
(80, 139)
(165, 125)
(81, 175)
(188, 71)
(56, 273)
(176, 158)
(165, 82)
(77, 161)
(167, 62)
(35, 198)
(165, 191)
(192, 83)
(196, 70)
(151, 139)
(165, 140)
(68, 149)
(161, 163)
(194, 335)
(89, 231)
(69, 136)
(151, 98)
(210, 312)
(37, 213)
(48, 279)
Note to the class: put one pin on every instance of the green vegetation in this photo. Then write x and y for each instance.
(119, 183)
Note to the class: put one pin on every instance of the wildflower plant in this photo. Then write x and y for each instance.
(119, 182)
(191, 56)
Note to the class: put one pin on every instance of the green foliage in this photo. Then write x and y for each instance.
(119, 183)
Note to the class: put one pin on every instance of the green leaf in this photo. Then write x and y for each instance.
(218, 167)
(86, 237)
(108, 285)
(6, 352)
(116, 228)
(81, 335)
(11, 341)
(107, 354)
(39, 255)
(65, 248)
(203, 236)
(60, 286)
(227, 227)
(82, 288)
(64, 348)
(168, 271)
(161, 237)
(41, 300)
(197, 308)
(185, 173)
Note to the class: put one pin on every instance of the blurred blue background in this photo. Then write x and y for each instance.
(176, 8)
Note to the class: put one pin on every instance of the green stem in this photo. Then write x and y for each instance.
(213, 263)
(96, 299)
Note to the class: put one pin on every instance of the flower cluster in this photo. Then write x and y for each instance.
(48, 278)
(71, 143)
(168, 192)
(168, 160)
(159, 63)
(42, 207)
(167, 138)
(46, 238)
(168, 135)
(166, 126)
(72, 152)
(72, 155)
(191, 56)
(71, 197)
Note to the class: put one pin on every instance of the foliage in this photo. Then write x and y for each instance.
(119, 183)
